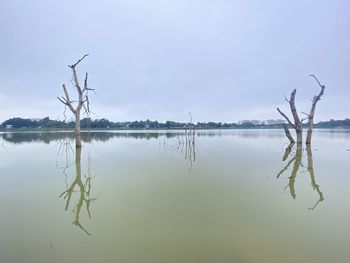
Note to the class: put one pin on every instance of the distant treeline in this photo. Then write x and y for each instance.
(88, 123)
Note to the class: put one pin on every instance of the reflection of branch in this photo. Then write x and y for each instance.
(187, 144)
(296, 160)
(310, 169)
(190, 152)
(84, 190)
(64, 150)
(287, 151)
(286, 167)
(65, 146)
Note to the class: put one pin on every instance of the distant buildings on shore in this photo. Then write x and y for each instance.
(265, 122)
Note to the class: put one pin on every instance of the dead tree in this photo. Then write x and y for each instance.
(81, 103)
(297, 125)
(310, 116)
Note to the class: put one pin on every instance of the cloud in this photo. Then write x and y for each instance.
(223, 60)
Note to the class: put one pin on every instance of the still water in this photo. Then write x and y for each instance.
(235, 196)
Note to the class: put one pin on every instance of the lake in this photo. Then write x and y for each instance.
(147, 196)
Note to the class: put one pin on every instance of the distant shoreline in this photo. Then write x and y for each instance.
(153, 129)
(16, 124)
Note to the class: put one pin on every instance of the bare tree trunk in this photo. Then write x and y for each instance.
(297, 122)
(312, 111)
(309, 132)
(299, 132)
(77, 131)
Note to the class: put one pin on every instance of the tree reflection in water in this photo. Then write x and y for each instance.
(186, 145)
(310, 168)
(296, 154)
(80, 185)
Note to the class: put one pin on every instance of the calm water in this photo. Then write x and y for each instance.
(238, 196)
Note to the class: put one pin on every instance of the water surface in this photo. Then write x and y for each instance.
(237, 196)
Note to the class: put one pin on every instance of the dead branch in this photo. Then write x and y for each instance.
(74, 65)
(297, 123)
(286, 117)
(315, 99)
(313, 76)
(287, 132)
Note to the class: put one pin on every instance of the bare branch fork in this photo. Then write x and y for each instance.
(82, 102)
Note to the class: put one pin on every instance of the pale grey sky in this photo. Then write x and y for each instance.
(223, 60)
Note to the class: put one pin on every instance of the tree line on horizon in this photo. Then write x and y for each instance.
(88, 123)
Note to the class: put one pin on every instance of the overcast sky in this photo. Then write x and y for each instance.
(223, 60)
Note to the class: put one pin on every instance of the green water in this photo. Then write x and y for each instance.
(145, 197)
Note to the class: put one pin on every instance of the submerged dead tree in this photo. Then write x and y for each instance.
(81, 103)
(310, 116)
(297, 125)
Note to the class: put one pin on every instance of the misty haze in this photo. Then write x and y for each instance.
(174, 131)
